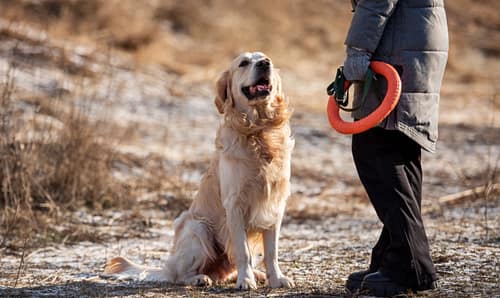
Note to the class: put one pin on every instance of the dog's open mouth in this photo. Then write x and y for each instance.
(261, 89)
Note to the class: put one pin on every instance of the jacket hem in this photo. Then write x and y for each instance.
(424, 142)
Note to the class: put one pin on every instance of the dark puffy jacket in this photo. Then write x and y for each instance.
(412, 35)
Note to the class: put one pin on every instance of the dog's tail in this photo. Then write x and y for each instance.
(124, 268)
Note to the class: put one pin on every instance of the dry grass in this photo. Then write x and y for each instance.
(49, 167)
(474, 40)
(63, 158)
(187, 34)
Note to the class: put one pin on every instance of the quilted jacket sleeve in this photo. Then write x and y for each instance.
(368, 23)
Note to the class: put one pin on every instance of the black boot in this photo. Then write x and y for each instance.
(378, 284)
(355, 279)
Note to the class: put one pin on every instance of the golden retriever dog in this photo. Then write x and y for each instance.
(241, 200)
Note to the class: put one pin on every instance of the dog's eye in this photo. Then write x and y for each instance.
(244, 63)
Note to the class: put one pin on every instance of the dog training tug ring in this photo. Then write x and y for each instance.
(389, 102)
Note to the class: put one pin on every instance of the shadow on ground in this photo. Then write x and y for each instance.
(102, 288)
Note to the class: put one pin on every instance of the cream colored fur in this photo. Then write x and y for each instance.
(241, 200)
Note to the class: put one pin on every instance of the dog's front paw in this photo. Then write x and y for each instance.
(246, 279)
(281, 282)
(246, 284)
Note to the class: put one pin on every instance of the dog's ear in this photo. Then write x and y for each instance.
(222, 87)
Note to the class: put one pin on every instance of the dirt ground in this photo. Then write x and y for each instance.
(329, 227)
(317, 254)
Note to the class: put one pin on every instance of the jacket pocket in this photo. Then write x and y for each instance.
(423, 71)
(420, 113)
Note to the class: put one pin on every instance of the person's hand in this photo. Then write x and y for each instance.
(356, 64)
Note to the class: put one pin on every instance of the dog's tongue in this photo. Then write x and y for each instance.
(258, 88)
(262, 88)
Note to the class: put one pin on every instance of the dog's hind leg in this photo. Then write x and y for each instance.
(193, 251)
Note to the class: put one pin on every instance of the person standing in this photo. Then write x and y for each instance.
(411, 35)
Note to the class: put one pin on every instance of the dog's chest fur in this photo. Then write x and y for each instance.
(259, 164)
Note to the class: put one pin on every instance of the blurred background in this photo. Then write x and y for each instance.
(195, 38)
(107, 120)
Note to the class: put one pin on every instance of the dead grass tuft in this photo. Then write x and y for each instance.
(62, 167)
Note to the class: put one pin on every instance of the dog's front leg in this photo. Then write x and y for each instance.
(275, 278)
(240, 249)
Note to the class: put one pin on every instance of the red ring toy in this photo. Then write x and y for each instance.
(390, 101)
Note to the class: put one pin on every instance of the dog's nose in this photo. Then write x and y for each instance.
(264, 63)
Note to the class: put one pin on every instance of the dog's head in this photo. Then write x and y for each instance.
(250, 81)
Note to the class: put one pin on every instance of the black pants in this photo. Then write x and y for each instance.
(389, 166)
